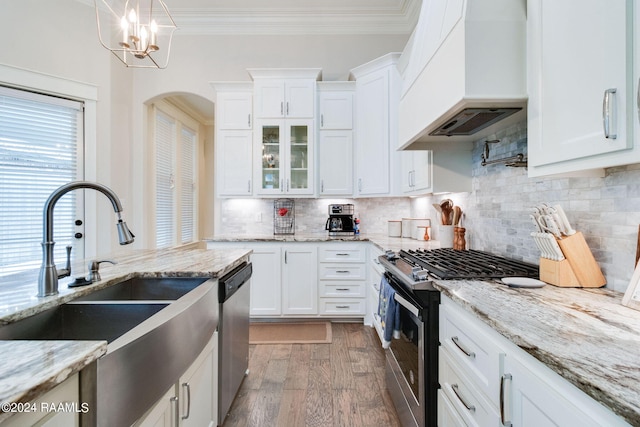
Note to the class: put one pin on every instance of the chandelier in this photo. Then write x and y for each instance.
(139, 34)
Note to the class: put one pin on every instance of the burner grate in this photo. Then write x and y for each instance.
(454, 264)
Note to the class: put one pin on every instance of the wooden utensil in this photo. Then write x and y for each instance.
(457, 215)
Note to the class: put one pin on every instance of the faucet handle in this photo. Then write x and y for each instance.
(94, 269)
(66, 272)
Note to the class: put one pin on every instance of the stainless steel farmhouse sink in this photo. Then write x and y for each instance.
(84, 321)
(146, 288)
(155, 328)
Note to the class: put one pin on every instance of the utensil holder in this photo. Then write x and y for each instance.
(578, 269)
(445, 236)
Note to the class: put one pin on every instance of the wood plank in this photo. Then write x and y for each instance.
(241, 408)
(257, 365)
(319, 408)
(371, 404)
(281, 351)
(319, 375)
(292, 408)
(275, 375)
(298, 372)
(341, 373)
(355, 335)
(321, 351)
(345, 409)
(265, 409)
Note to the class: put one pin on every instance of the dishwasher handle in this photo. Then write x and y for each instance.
(231, 282)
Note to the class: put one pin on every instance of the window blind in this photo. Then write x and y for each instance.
(40, 139)
(187, 185)
(165, 142)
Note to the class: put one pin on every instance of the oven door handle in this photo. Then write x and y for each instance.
(406, 304)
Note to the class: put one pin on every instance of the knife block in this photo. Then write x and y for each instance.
(578, 269)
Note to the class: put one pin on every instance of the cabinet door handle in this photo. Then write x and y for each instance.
(322, 185)
(282, 108)
(187, 387)
(609, 114)
(249, 120)
(249, 186)
(175, 411)
(285, 257)
(287, 185)
(469, 353)
(469, 407)
(282, 185)
(287, 108)
(321, 120)
(360, 185)
(503, 380)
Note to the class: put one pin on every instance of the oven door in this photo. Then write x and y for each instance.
(405, 361)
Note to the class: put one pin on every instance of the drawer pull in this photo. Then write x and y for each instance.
(470, 354)
(343, 271)
(503, 380)
(469, 407)
(343, 306)
(342, 289)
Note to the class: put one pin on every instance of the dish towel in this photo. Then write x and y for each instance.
(389, 313)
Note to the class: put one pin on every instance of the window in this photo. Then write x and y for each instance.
(176, 203)
(41, 142)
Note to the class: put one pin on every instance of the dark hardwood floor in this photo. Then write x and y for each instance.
(337, 384)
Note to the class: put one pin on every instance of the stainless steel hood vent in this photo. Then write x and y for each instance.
(472, 120)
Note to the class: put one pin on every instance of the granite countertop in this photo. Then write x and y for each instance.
(30, 368)
(584, 335)
(380, 240)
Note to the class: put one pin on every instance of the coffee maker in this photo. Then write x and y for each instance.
(340, 221)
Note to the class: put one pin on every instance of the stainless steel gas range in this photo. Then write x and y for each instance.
(412, 358)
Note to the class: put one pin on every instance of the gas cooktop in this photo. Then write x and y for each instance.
(448, 263)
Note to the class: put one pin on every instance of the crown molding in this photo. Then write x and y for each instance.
(298, 21)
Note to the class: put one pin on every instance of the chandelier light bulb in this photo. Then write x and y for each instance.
(124, 25)
(153, 40)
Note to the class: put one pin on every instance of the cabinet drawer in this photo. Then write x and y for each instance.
(447, 414)
(342, 254)
(473, 349)
(337, 288)
(469, 402)
(342, 306)
(342, 272)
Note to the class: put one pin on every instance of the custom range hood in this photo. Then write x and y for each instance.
(463, 71)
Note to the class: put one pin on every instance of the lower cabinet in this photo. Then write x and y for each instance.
(193, 400)
(487, 380)
(301, 279)
(43, 411)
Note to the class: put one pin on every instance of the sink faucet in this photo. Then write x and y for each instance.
(48, 279)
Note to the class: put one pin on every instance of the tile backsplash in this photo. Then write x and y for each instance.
(255, 216)
(606, 210)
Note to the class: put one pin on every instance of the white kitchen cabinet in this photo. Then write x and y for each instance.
(445, 169)
(300, 280)
(234, 106)
(335, 100)
(266, 288)
(66, 393)
(335, 162)
(577, 99)
(342, 271)
(284, 93)
(502, 381)
(416, 170)
(234, 173)
(233, 139)
(163, 414)
(374, 278)
(377, 97)
(193, 400)
(284, 157)
(198, 389)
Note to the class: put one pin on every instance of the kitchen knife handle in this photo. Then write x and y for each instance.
(609, 114)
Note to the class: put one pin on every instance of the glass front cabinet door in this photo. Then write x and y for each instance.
(285, 148)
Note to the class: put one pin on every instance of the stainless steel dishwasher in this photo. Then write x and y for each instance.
(233, 335)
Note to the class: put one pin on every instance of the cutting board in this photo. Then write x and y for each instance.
(581, 260)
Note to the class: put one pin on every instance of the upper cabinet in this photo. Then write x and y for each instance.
(284, 93)
(582, 85)
(284, 152)
(233, 139)
(377, 93)
(335, 138)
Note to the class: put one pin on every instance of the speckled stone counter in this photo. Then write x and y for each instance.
(380, 240)
(30, 368)
(585, 335)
